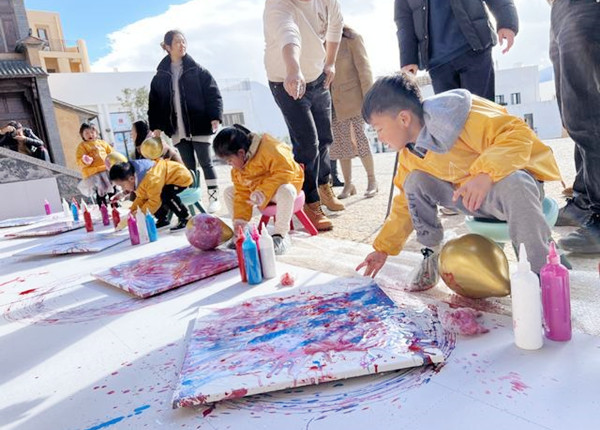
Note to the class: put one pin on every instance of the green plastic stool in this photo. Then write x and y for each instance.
(498, 230)
(191, 197)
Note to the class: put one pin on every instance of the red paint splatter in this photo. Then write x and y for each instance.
(22, 293)
(376, 368)
(111, 392)
(236, 394)
(209, 410)
(18, 279)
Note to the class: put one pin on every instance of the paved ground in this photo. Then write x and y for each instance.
(363, 217)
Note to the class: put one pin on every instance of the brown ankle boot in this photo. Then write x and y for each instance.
(329, 199)
(317, 217)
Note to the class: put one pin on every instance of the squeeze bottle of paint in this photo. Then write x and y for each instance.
(255, 237)
(140, 220)
(526, 305)
(66, 209)
(251, 261)
(47, 207)
(556, 298)
(115, 216)
(74, 212)
(87, 218)
(151, 227)
(104, 213)
(74, 201)
(267, 254)
(240, 254)
(134, 234)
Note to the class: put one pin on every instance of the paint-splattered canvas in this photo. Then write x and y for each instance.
(20, 222)
(273, 343)
(48, 230)
(152, 275)
(82, 244)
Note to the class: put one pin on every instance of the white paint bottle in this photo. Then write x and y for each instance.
(526, 305)
(267, 254)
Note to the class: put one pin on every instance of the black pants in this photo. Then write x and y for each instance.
(190, 150)
(171, 202)
(473, 71)
(309, 123)
(575, 55)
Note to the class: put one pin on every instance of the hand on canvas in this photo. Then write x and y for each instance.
(373, 263)
(474, 191)
(508, 35)
(87, 159)
(257, 198)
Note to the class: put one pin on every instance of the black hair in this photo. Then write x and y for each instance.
(141, 129)
(121, 171)
(15, 124)
(231, 139)
(168, 38)
(86, 126)
(392, 94)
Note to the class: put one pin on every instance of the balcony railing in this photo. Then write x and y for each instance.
(61, 45)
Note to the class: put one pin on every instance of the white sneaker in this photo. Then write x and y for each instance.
(281, 244)
(213, 206)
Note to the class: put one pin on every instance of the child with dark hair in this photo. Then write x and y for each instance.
(462, 152)
(156, 186)
(90, 156)
(140, 131)
(263, 171)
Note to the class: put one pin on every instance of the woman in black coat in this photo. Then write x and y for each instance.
(185, 103)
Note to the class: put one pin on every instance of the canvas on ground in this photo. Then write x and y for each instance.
(152, 275)
(49, 229)
(81, 244)
(276, 342)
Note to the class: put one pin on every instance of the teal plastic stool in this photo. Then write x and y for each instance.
(191, 196)
(498, 230)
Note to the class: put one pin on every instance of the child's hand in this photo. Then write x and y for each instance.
(474, 191)
(257, 198)
(86, 159)
(373, 263)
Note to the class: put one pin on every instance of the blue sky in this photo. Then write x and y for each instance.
(93, 20)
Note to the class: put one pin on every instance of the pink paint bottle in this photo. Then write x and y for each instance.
(556, 298)
(47, 207)
(104, 213)
(134, 234)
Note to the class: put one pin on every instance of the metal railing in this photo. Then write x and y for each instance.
(61, 45)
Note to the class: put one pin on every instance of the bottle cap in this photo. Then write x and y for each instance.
(524, 264)
(553, 257)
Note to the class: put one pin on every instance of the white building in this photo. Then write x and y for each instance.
(244, 101)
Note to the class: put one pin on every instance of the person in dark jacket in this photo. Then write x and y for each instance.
(452, 39)
(22, 139)
(185, 103)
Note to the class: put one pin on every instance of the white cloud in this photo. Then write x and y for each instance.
(226, 37)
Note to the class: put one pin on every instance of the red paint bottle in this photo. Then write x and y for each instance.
(87, 218)
(115, 216)
(240, 254)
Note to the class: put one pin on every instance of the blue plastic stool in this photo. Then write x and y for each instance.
(191, 196)
(498, 230)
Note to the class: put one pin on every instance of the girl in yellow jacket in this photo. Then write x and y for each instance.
(90, 156)
(263, 171)
(156, 188)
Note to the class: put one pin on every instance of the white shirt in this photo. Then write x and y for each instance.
(307, 24)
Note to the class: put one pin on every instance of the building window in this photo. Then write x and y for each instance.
(42, 33)
(515, 99)
(528, 117)
(500, 99)
(233, 118)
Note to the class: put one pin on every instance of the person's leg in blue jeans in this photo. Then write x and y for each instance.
(575, 53)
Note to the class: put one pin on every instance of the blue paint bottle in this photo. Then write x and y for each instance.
(75, 212)
(251, 260)
(151, 225)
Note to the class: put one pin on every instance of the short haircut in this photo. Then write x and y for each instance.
(121, 171)
(231, 139)
(392, 94)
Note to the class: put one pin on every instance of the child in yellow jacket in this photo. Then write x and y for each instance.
(90, 156)
(263, 171)
(461, 152)
(156, 188)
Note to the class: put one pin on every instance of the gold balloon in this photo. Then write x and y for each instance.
(152, 148)
(475, 267)
(114, 158)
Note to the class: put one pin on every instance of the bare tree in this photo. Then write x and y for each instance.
(135, 101)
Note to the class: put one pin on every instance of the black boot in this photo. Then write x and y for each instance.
(335, 180)
(585, 240)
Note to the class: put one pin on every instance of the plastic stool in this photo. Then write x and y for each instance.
(271, 210)
(498, 230)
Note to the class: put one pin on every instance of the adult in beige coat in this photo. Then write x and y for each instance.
(353, 79)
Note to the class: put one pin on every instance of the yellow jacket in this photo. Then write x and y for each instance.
(491, 142)
(164, 172)
(270, 164)
(98, 150)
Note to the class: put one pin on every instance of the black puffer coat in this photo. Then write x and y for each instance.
(201, 100)
(411, 18)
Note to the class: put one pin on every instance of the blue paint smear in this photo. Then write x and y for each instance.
(109, 423)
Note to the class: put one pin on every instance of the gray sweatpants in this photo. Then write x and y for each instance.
(516, 199)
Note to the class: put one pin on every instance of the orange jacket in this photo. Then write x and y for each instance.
(98, 150)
